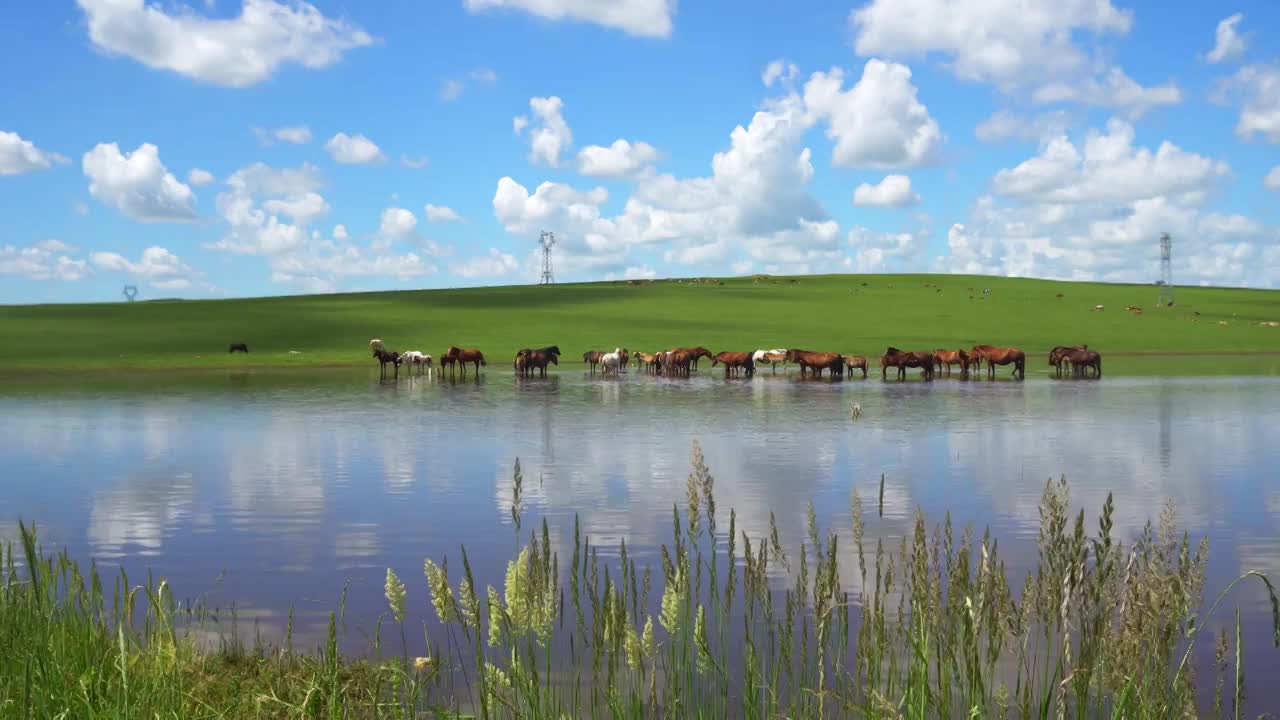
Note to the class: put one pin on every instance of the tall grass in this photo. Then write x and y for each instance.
(930, 626)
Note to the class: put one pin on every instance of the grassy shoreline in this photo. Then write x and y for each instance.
(1209, 331)
(934, 627)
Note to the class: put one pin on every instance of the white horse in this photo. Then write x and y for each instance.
(612, 362)
(418, 360)
(773, 357)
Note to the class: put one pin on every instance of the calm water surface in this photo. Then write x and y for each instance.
(273, 490)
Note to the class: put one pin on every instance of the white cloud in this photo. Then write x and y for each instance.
(1272, 180)
(46, 260)
(779, 71)
(484, 75)
(397, 223)
(635, 272)
(621, 159)
(892, 191)
(354, 150)
(200, 177)
(1258, 87)
(157, 266)
(1005, 125)
(416, 163)
(1230, 44)
(550, 135)
(495, 264)
(1115, 90)
(340, 233)
(645, 18)
(1008, 43)
(441, 213)
(451, 89)
(257, 196)
(519, 123)
(296, 134)
(876, 251)
(236, 52)
(20, 156)
(138, 184)
(879, 122)
(322, 270)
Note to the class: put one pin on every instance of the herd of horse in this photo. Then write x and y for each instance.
(1077, 360)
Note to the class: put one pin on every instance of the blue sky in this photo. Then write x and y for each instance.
(214, 148)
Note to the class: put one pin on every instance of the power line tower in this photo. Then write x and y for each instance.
(1166, 270)
(130, 293)
(547, 241)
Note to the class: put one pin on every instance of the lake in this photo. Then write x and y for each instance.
(271, 490)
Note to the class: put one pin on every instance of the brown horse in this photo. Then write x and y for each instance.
(529, 360)
(856, 362)
(462, 356)
(901, 359)
(944, 359)
(695, 353)
(677, 363)
(592, 359)
(1002, 356)
(1058, 356)
(817, 362)
(648, 362)
(735, 361)
(385, 358)
(1083, 360)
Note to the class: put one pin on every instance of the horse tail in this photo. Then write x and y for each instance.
(481, 356)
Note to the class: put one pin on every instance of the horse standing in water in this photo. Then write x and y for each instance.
(694, 354)
(676, 363)
(387, 357)
(1058, 356)
(462, 356)
(529, 360)
(817, 362)
(1082, 360)
(1002, 356)
(592, 359)
(611, 363)
(773, 357)
(901, 359)
(944, 359)
(735, 361)
(855, 362)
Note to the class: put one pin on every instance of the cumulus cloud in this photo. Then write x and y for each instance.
(494, 264)
(876, 252)
(1258, 89)
(1005, 125)
(892, 191)
(779, 71)
(1272, 180)
(340, 233)
(236, 52)
(157, 266)
(323, 269)
(138, 184)
(21, 156)
(645, 18)
(621, 159)
(256, 199)
(441, 213)
(550, 135)
(397, 223)
(1229, 43)
(46, 260)
(879, 122)
(200, 177)
(354, 150)
(1016, 45)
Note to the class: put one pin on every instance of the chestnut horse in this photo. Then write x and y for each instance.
(1058, 356)
(677, 363)
(646, 361)
(773, 357)
(592, 359)
(944, 359)
(462, 356)
(817, 362)
(695, 353)
(1082, 360)
(901, 359)
(855, 362)
(735, 361)
(1002, 356)
(387, 357)
(529, 360)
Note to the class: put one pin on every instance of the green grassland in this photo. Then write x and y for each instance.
(1208, 331)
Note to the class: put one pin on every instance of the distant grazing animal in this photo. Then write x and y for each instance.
(1084, 360)
(417, 360)
(462, 356)
(592, 359)
(375, 345)
(695, 353)
(901, 359)
(944, 359)
(529, 360)
(1058, 356)
(1002, 356)
(238, 347)
(817, 362)
(611, 363)
(734, 362)
(773, 357)
(855, 362)
(385, 358)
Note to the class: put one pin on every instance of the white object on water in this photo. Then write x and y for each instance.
(856, 411)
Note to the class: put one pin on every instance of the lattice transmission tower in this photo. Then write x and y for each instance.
(130, 293)
(1166, 270)
(547, 241)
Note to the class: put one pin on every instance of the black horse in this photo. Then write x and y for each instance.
(238, 347)
(386, 357)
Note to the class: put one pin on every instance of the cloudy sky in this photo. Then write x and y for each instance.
(211, 148)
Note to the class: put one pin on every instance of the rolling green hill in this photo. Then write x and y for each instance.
(1210, 330)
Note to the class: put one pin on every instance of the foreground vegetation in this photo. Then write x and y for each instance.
(859, 314)
(934, 627)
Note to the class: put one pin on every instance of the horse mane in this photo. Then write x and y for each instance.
(892, 351)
